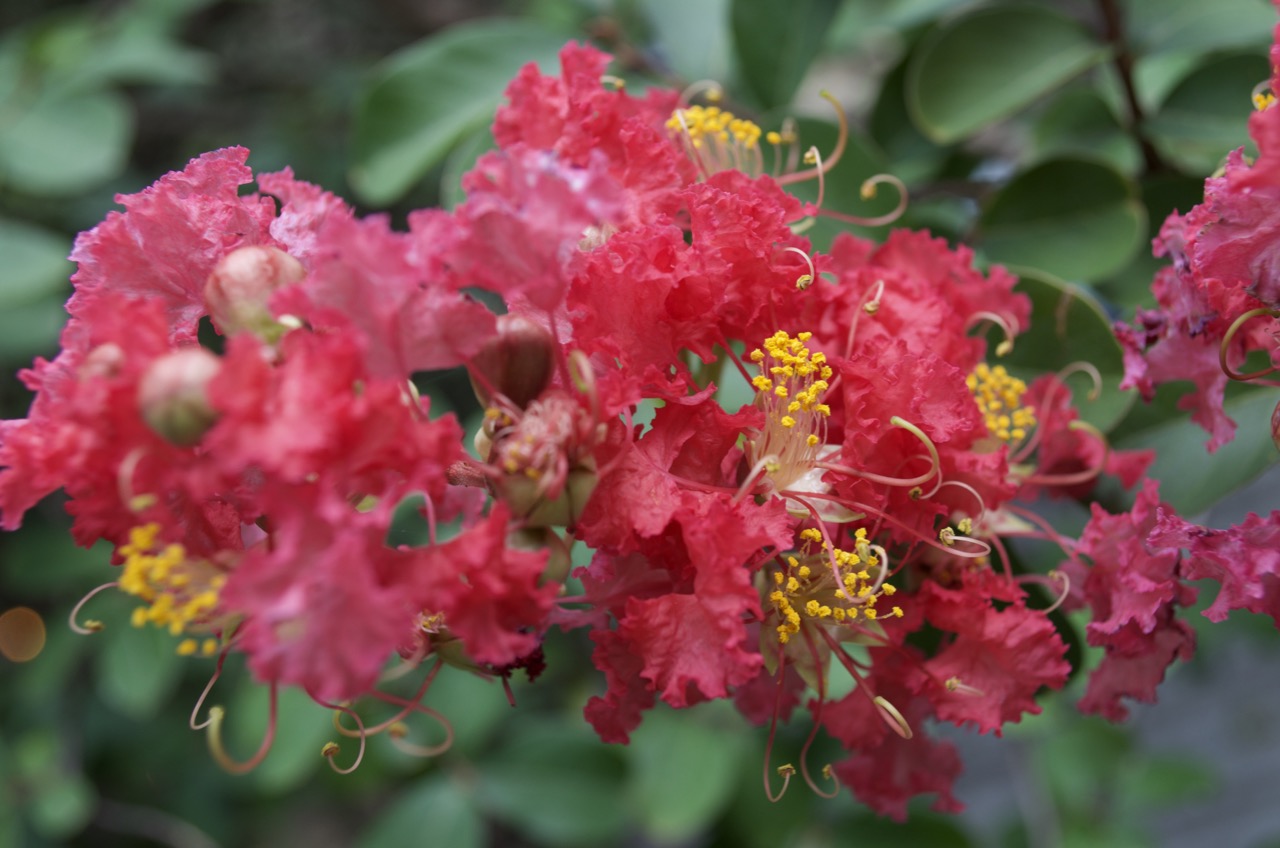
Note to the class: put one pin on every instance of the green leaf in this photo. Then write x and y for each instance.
(30, 330)
(1068, 325)
(66, 144)
(1191, 479)
(1196, 25)
(556, 782)
(1206, 115)
(684, 772)
(424, 99)
(1076, 219)
(35, 263)
(775, 45)
(459, 162)
(58, 801)
(986, 65)
(1080, 124)
(1161, 194)
(473, 705)
(139, 669)
(914, 159)
(693, 38)
(435, 805)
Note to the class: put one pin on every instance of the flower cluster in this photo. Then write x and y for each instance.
(234, 409)
(1219, 304)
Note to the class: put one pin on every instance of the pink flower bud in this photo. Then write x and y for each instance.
(103, 362)
(516, 362)
(239, 290)
(172, 396)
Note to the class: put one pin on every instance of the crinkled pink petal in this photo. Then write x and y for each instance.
(169, 238)
(1244, 559)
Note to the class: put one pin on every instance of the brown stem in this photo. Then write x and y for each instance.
(1113, 30)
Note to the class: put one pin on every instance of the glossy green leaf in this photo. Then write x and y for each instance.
(139, 669)
(64, 144)
(775, 45)
(988, 64)
(913, 158)
(684, 772)
(1206, 116)
(435, 806)
(425, 99)
(1075, 219)
(1161, 194)
(556, 782)
(1068, 325)
(1169, 25)
(1191, 479)
(35, 263)
(1079, 123)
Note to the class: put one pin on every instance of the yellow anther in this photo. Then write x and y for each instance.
(999, 399)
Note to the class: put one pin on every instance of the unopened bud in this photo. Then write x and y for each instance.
(103, 362)
(527, 499)
(172, 396)
(559, 561)
(516, 362)
(239, 290)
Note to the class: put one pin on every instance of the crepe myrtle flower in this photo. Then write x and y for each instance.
(646, 253)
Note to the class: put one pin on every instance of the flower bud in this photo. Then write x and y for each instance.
(238, 292)
(515, 362)
(103, 362)
(172, 396)
(544, 538)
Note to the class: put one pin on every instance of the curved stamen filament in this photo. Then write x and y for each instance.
(1006, 326)
(868, 191)
(219, 751)
(836, 152)
(784, 771)
(1231, 334)
(1056, 580)
(1080, 476)
(90, 626)
(982, 506)
(804, 280)
(1049, 532)
(909, 482)
(398, 731)
(1084, 367)
(124, 483)
(408, 707)
(892, 717)
(208, 687)
(712, 89)
(331, 749)
(764, 466)
(817, 722)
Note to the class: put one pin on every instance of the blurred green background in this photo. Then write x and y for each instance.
(1051, 136)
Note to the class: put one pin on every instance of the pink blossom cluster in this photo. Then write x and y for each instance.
(233, 409)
